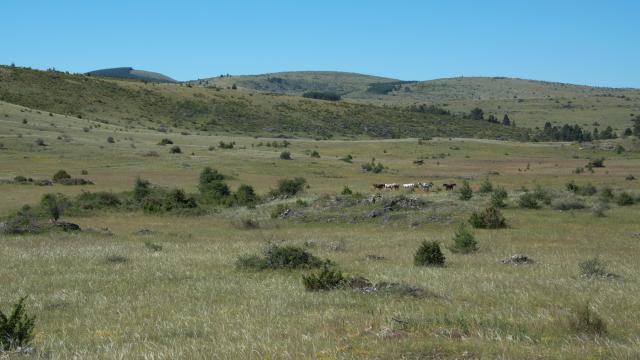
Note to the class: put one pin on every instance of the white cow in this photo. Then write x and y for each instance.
(408, 186)
(425, 186)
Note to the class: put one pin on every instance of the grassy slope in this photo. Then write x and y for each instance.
(297, 82)
(133, 103)
(188, 301)
(530, 103)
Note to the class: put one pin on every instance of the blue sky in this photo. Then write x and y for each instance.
(584, 42)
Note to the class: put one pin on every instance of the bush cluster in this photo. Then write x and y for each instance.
(288, 187)
(280, 257)
(325, 279)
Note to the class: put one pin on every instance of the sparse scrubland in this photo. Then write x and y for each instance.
(231, 252)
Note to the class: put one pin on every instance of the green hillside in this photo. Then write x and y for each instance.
(193, 108)
(531, 103)
(130, 73)
(297, 82)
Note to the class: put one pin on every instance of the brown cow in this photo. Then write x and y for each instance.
(449, 187)
(378, 186)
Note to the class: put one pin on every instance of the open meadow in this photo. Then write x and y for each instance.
(166, 284)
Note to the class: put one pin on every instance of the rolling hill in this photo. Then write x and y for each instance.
(297, 82)
(531, 103)
(130, 73)
(202, 109)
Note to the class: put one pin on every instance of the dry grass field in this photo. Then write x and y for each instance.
(107, 293)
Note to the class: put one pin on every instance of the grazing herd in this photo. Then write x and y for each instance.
(412, 186)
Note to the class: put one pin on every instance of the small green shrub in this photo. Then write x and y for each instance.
(606, 194)
(567, 203)
(54, 204)
(498, 197)
(20, 179)
(281, 257)
(141, 189)
(542, 194)
(111, 140)
(97, 200)
(593, 267)
(325, 279)
(245, 195)
(152, 246)
(587, 190)
(596, 163)
(586, 321)
(429, 254)
(288, 187)
(61, 175)
(373, 167)
(528, 201)
(630, 177)
(346, 191)
(463, 241)
(285, 155)
(486, 187)
(117, 259)
(624, 199)
(466, 193)
(571, 186)
(315, 154)
(490, 218)
(16, 328)
(165, 141)
(175, 150)
(347, 158)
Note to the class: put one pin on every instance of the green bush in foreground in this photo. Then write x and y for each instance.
(429, 254)
(16, 329)
(325, 279)
(463, 241)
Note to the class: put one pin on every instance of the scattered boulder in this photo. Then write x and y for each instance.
(67, 226)
(358, 282)
(517, 260)
(395, 288)
(375, 198)
(372, 257)
(377, 212)
(144, 231)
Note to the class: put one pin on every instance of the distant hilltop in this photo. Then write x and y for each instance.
(131, 73)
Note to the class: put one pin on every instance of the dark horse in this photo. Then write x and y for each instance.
(378, 186)
(449, 187)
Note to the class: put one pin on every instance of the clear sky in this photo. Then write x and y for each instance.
(585, 42)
